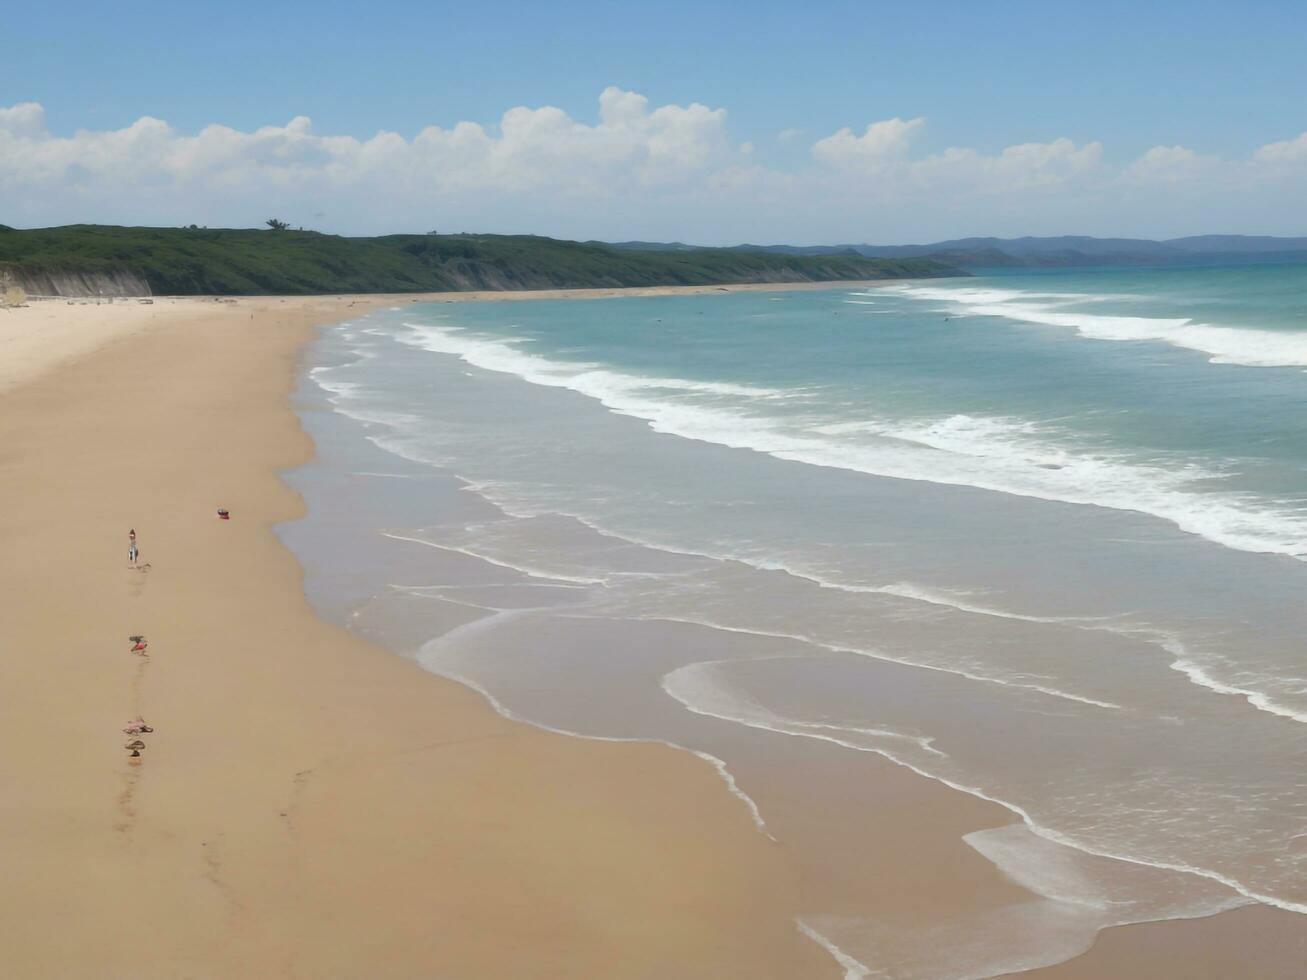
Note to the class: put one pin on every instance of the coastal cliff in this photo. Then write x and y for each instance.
(75, 282)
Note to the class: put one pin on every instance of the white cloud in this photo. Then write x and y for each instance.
(634, 170)
(24, 119)
(1023, 167)
(1171, 165)
(881, 140)
(530, 148)
(1286, 152)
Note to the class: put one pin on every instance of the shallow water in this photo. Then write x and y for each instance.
(1031, 536)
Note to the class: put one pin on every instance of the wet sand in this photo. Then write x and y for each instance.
(308, 805)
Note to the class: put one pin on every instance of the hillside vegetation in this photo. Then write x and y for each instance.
(191, 261)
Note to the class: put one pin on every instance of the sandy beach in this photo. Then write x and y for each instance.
(307, 805)
(311, 805)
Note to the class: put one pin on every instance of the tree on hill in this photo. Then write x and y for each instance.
(277, 225)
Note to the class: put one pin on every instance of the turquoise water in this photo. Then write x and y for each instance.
(987, 382)
(1038, 536)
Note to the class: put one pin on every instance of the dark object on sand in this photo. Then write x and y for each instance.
(136, 639)
(135, 746)
(223, 515)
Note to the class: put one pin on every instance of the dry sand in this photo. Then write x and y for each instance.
(308, 805)
(312, 806)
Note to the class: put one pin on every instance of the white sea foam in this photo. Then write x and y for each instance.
(699, 691)
(1006, 455)
(1226, 345)
(1187, 663)
(502, 354)
(904, 589)
(970, 672)
(1073, 897)
(853, 969)
(943, 598)
(899, 589)
(1200, 674)
(431, 657)
(527, 570)
(1184, 661)
(697, 683)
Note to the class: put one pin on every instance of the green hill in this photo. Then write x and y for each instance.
(225, 261)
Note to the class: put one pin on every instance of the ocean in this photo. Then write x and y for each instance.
(1039, 536)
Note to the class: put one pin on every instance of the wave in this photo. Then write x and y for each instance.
(611, 581)
(873, 654)
(429, 657)
(501, 354)
(694, 687)
(527, 570)
(958, 434)
(1200, 674)
(853, 969)
(686, 685)
(1001, 454)
(1185, 661)
(1225, 345)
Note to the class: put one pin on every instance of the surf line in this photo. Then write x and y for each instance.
(1036, 828)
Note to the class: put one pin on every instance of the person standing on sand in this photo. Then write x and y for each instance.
(132, 553)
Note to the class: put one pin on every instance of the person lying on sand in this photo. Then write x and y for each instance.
(137, 727)
(138, 644)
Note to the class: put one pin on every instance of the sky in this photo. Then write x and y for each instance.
(707, 122)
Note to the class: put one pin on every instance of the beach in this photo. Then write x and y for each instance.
(816, 534)
(314, 803)
(308, 805)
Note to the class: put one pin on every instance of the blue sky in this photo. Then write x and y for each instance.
(1220, 80)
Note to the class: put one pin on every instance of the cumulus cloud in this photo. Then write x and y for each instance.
(24, 119)
(530, 148)
(1023, 167)
(1286, 152)
(632, 170)
(881, 140)
(1169, 164)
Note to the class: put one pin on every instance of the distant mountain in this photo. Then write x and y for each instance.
(1062, 250)
(1238, 244)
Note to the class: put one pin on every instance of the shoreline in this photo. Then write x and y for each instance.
(75, 326)
(920, 849)
(309, 804)
(317, 874)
